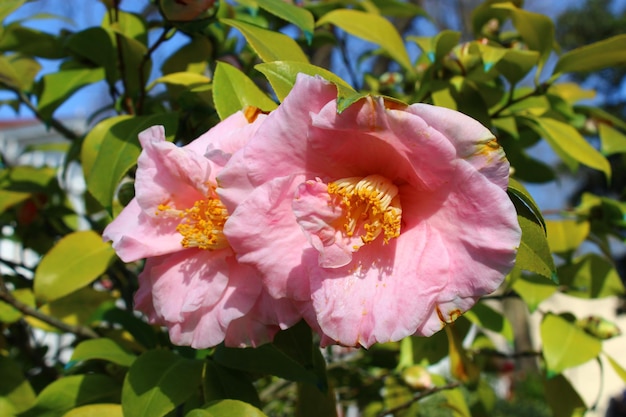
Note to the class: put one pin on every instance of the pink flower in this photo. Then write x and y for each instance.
(191, 281)
(391, 220)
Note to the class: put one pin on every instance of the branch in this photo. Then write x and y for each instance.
(144, 60)
(418, 396)
(540, 89)
(54, 123)
(80, 331)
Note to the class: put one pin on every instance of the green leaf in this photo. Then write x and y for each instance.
(90, 148)
(534, 253)
(220, 382)
(227, 408)
(373, 28)
(96, 45)
(621, 372)
(562, 398)
(9, 6)
(9, 314)
(234, 91)
(282, 76)
(26, 69)
(59, 86)
(599, 327)
(612, 140)
(534, 289)
(516, 188)
(70, 392)
(486, 317)
(14, 387)
(9, 199)
(187, 79)
(118, 152)
(74, 262)
(606, 53)
(269, 45)
(31, 42)
(565, 345)
(299, 16)
(96, 410)
(536, 30)
(104, 349)
(8, 75)
(157, 382)
(566, 235)
(568, 143)
(591, 276)
(436, 47)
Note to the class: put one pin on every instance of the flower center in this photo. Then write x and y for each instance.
(370, 203)
(202, 226)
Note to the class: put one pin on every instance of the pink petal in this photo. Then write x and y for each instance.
(136, 236)
(198, 293)
(263, 232)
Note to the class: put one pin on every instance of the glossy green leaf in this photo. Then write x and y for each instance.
(591, 276)
(96, 410)
(118, 152)
(130, 25)
(282, 76)
(73, 391)
(566, 141)
(9, 199)
(136, 69)
(157, 382)
(516, 64)
(8, 75)
(483, 13)
(606, 53)
(373, 28)
(571, 92)
(96, 45)
(438, 46)
(612, 140)
(269, 45)
(565, 345)
(562, 398)
(486, 317)
(9, 314)
(187, 79)
(534, 253)
(536, 30)
(299, 16)
(14, 387)
(31, 42)
(104, 349)
(534, 289)
(74, 262)
(234, 91)
(26, 69)
(227, 408)
(90, 148)
(566, 235)
(455, 400)
(76, 308)
(191, 57)
(58, 87)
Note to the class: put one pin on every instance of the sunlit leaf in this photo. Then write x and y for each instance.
(227, 408)
(373, 28)
(58, 87)
(565, 345)
(534, 289)
(599, 327)
(9, 314)
(299, 16)
(75, 261)
(619, 370)
(14, 387)
(234, 91)
(591, 276)
(612, 140)
(157, 382)
(566, 235)
(606, 53)
(486, 317)
(104, 349)
(270, 45)
(187, 79)
(96, 410)
(9, 6)
(93, 141)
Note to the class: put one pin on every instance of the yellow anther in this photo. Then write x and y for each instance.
(370, 202)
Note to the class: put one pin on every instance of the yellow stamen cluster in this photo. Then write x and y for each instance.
(371, 202)
(202, 226)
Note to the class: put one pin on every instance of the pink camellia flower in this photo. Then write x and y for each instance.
(191, 282)
(392, 220)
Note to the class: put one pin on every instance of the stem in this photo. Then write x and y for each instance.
(540, 89)
(144, 60)
(416, 397)
(80, 331)
(54, 123)
(346, 61)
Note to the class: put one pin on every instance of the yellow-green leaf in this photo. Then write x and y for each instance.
(612, 140)
(270, 45)
(299, 16)
(104, 349)
(373, 28)
(74, 262)
(184, 78)
(565, 345)
(598, 55)
(619, 370)
(534, 289)
(234, 91)
(566, 235)
(96, 410)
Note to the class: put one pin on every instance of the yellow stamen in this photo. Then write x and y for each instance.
(371, 202)
(202, 226)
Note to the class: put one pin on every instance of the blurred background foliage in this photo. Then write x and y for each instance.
(552, 93)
